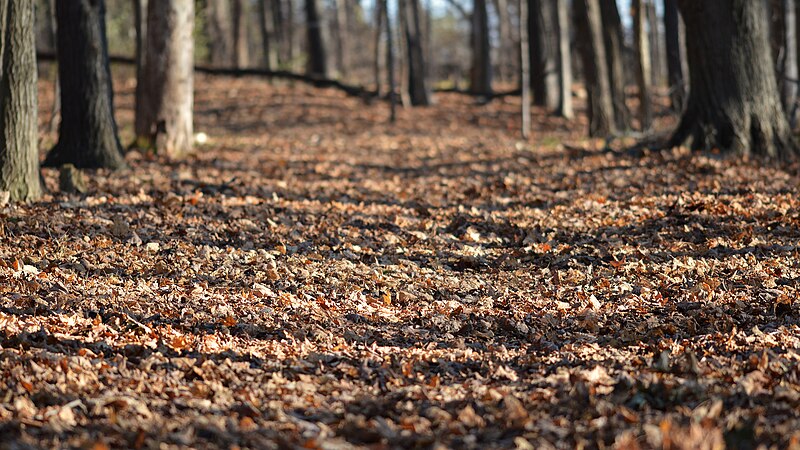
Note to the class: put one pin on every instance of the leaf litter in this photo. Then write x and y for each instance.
(317, 278)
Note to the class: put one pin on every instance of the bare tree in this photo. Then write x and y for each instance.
(564, 61)
(675, 72)
(481, 67)
(418, 90)
(544, 50)
(317, 54)
(524, 65)
(613, 39)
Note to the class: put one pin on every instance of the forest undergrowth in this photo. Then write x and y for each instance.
(315, 277)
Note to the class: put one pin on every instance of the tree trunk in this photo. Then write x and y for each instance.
(280, 32)
(593, 55)
(164, 121)
(734, 104)
(380, 14)
(544, 51)
(390, 61)
(524, 65)
(644, 81)
(342, 38)
(506, 50)
(672, 27)
(656, 53)
(19, 153)
(480, 82)
(614, 64)
(264, 24)
(417, 83)
(241, 47)
(220, 36)
(317, 56)
(564, 61)
(789, 90)
(55, 111)
(88, 132)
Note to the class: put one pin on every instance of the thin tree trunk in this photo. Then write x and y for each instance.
(734, 103)
(524, 64)
(790, 65)
(390, 62)
(675, 72)
(590, 38)
(88, 132)
(290, 33)
(380, 13)
(614, 64)
(19, 153)
(342, 38)
(279, 27)
(55, 111)
(481, 70)
(643, 62)
(564, 61)
(656, 53)
(218, 23)
(317, 56)
(264, 22)
(506, 50)
(241, 48)
(165, 119)
(418, 90)
(543, 36)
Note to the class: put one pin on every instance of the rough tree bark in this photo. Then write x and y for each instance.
(593, 55)
(614, 64)
(164, 121)
(564, 61)
(480, 82)
(543, 36)
(317, 55)
(644, 81)
(675, 77)
(88, 132)
(19, 153)
(220, 36)
(734, 104)
(418, 91)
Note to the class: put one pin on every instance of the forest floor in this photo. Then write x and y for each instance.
(317, 278)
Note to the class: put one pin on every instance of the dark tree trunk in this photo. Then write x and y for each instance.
(644, 62)
(390, 61)
(734, 104)
(593, 55)
(241, 47)
(164, 119)
(417, 83)
(543, 37)
(19, 153)
(280, 29)
(317, 56)
(88, 132)
(564, 61)
(481, 70)
(614, 64)
(140, 28)
(672, 27)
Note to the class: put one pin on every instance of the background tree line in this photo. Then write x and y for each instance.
(730, 66)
